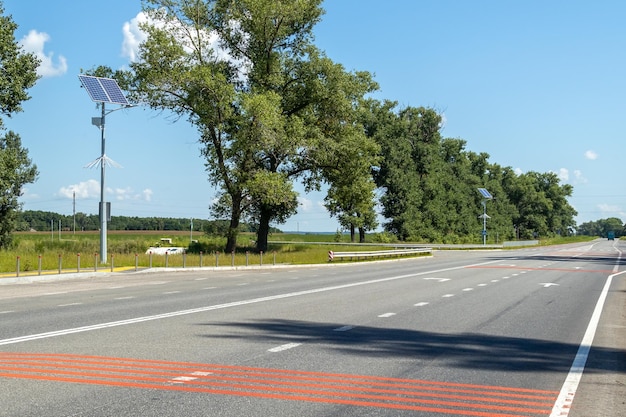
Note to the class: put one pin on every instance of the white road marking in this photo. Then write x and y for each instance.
(447, 295)
(69, 304)
(482, 285)
(284, 347)
(106, 325)
(468, 289)
(7, 311)
(548, 284)
(201, 373)
(495, 280)
(182, 379)
(200, 279)
(117, 288)
(130, 297)
(421, 304)
(563, 402)
(437, 279)
(343, 328)
(56, 293)
(171, 292)
(387, 315)
(209, 288)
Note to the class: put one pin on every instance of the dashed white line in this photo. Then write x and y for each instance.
(242, 284)
(468, 289)
(421, 304)
(387, 315)
(447, 295)
(171, 292)
(284, 347)
(343, 328)
(124, 298)
(7, 311)
(69, 304)
(209, 288)
(482, 285)
(135, 320)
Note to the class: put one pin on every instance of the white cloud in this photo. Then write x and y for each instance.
(608, 208)
(305, 204)
(563, 174)
(612, 210)
(91, 189)
(518, 171)
(579, 178)
(126, 194)
(27, 195)
(35, 42)
(591, 155)
(85, 189)
(133, 36)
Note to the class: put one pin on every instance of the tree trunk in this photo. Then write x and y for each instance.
(264, 229)
(351, 232)
(233, 229)
(361, 235)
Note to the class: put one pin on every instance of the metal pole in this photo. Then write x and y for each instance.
(103, 214)
(484, 222)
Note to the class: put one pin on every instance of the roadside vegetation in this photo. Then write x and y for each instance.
(128, 249)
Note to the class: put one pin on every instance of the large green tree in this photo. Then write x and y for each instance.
(18, 72)
(270, 108)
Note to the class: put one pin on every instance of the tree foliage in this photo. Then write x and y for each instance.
(429, 185)
(602, 227)
(269, 107)
(18, 72)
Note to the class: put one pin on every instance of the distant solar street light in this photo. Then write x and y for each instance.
(486, 196)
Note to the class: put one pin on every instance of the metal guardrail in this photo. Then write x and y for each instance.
(356, 255)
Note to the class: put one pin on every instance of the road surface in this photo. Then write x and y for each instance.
(470, 333)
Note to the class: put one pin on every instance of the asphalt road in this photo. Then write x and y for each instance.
(471, 333)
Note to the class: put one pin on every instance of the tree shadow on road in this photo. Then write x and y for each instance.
(463, 350)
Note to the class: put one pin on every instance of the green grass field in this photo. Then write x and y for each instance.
(37, 251)
(69, 252)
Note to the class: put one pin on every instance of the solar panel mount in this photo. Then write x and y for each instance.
(103, 90)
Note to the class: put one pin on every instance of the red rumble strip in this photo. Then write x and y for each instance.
(352, 390)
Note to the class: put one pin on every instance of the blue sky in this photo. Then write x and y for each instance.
(538, 85)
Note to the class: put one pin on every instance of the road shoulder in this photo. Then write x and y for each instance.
(602, 393)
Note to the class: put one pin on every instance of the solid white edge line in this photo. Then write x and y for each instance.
(564, 401)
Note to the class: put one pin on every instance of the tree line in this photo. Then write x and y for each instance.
(35, 220)
(602, 227)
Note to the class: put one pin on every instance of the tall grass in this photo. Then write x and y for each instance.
(80, 251)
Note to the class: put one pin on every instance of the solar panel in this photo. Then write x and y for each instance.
(104, 90)
(485, 193)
